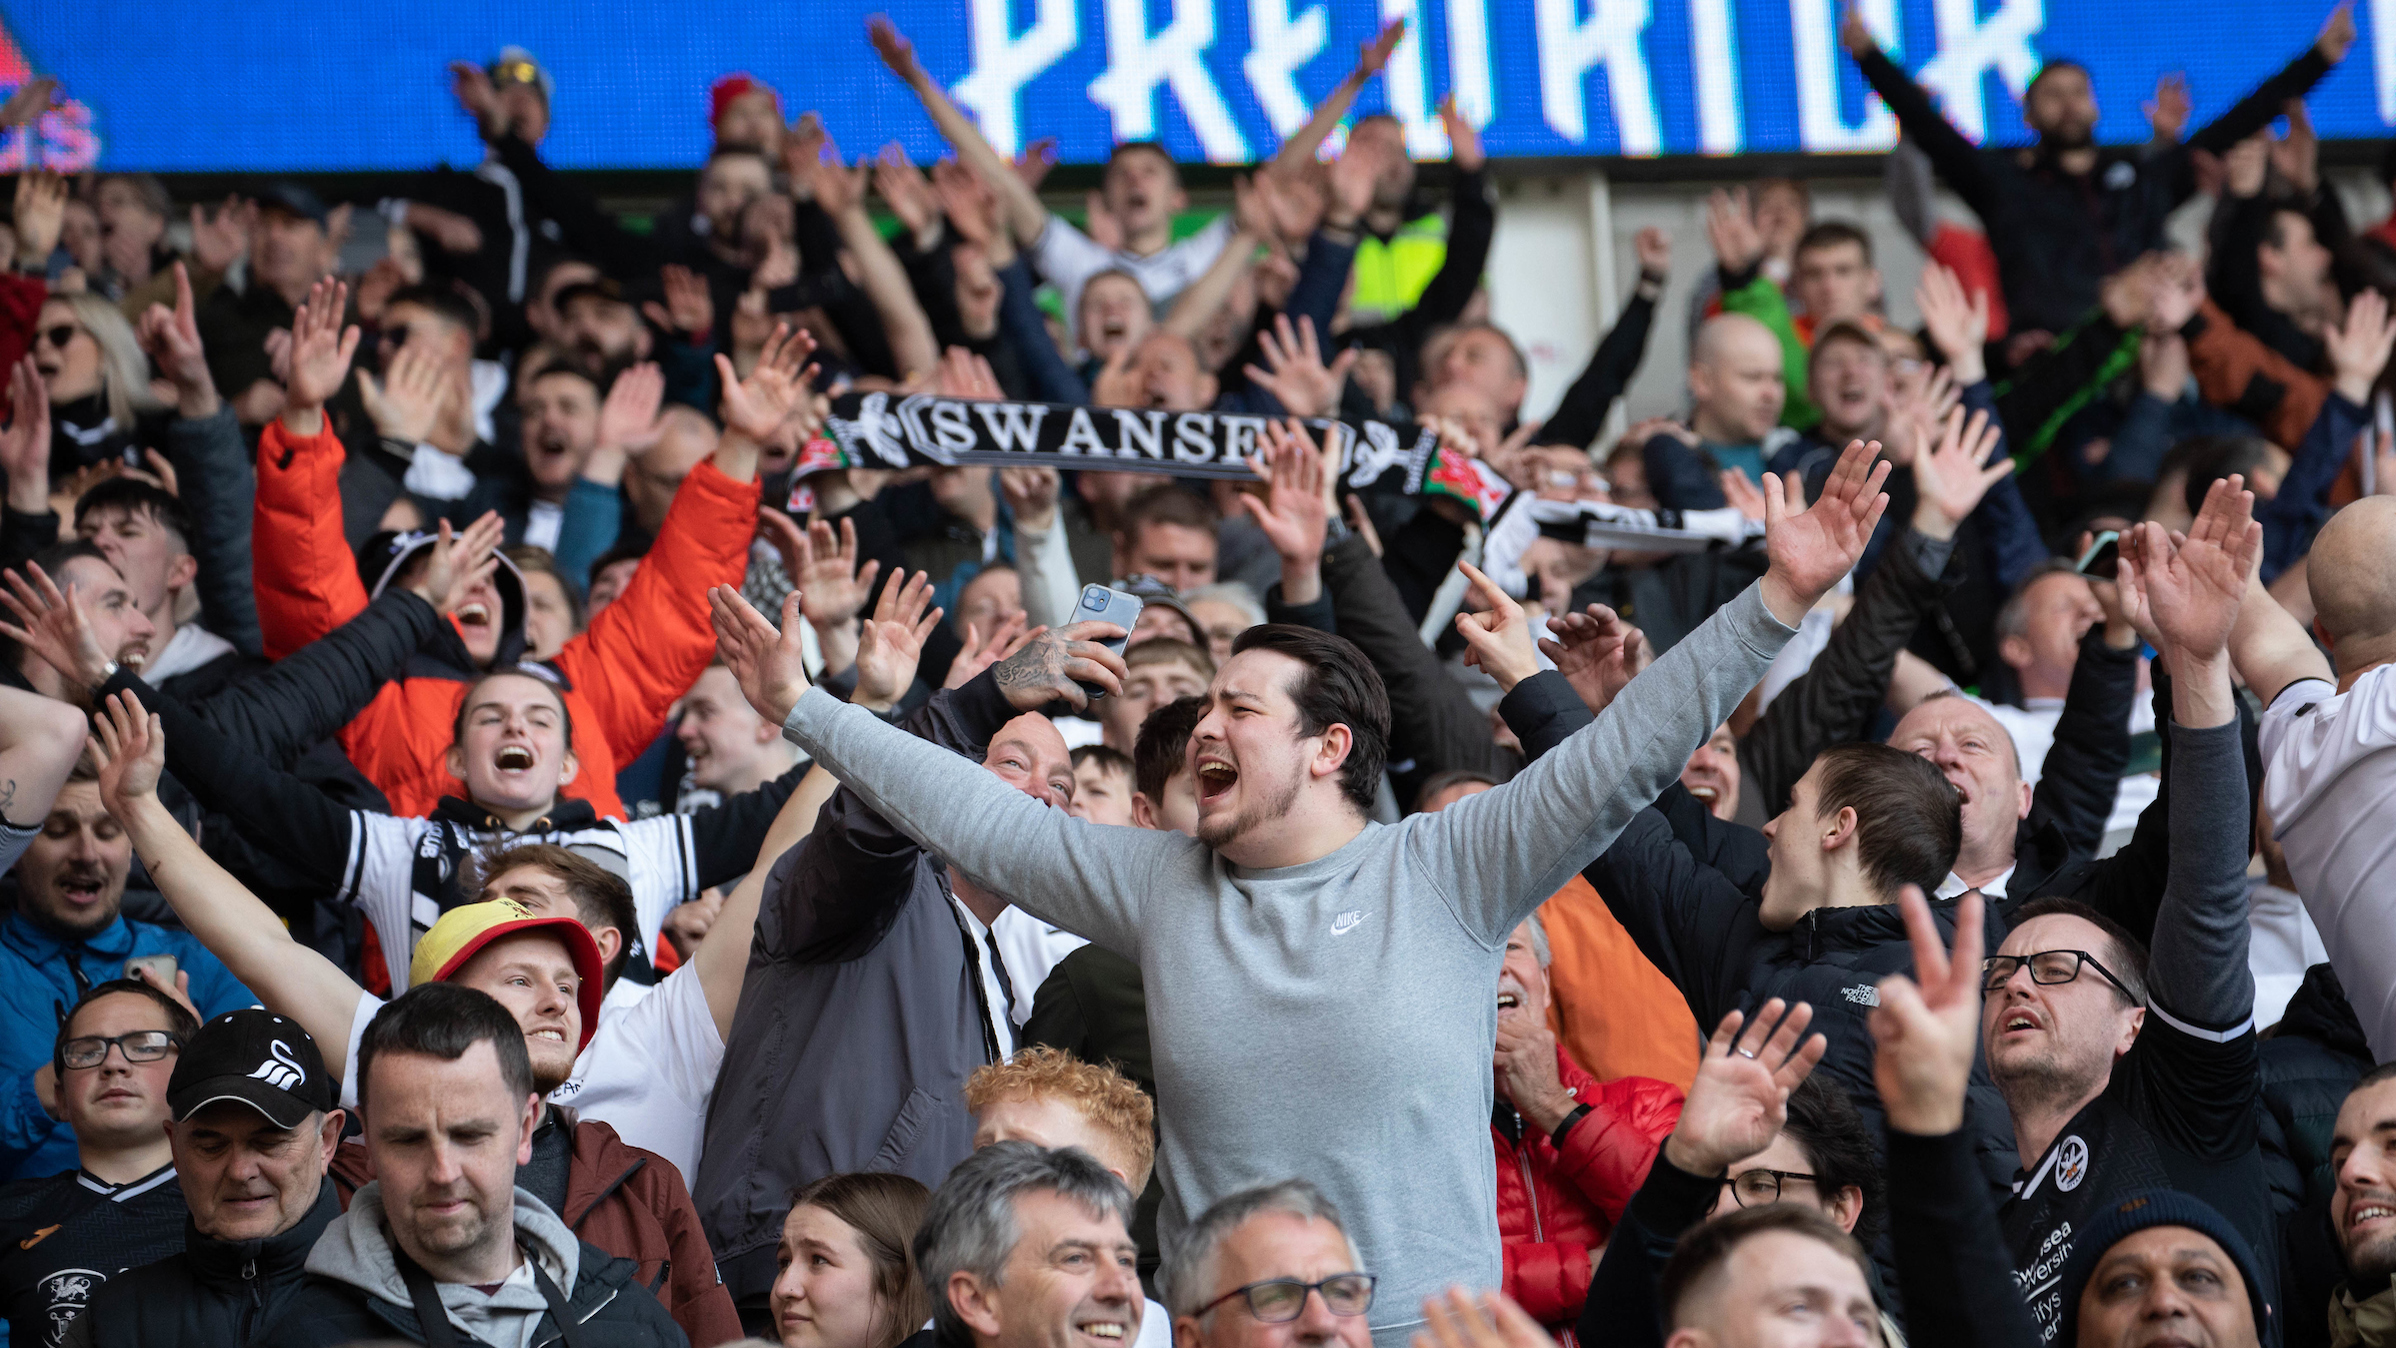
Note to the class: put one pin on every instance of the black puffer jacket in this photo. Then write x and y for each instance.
(216, 1294)
(2311, 1060)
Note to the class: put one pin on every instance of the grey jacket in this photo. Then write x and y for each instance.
(861, 974)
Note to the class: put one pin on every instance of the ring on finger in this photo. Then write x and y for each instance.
(1747, 1053)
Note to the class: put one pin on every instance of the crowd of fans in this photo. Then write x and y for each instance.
(515, 835)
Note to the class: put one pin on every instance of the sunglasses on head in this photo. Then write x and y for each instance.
(515, 72)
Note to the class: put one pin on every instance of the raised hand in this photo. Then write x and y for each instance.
(890, 643)
(406, 403)
(1464, 139)
(839, 189)
(776, 385)
(892, 46)
(1032, 164)
(1494, 1321)
(1597, 653)
(2358, 349)
(1730, 227)
(41, 214)
(1856, 35)
(129, 747)
(1372, 56)
(1497, 633)
(25, 445)
(1811, 547)
(1031, 496)
(29, 101)
(2297, 155)
(902, 186)
(1927, 1028)
(219, 241)
(825, 568)
(970, 204)
(1353, 177)
(1741, 494)
(980, 652)
(470, 84)
(1052, 666)
(628, 418)
(767, 662)
(1296, 374)
(1740, 1099)
(53, 625)
(2167, 112)
(320, 354)
(2193, 586)
(963, 374)
(171, 338)
(459, 562)
(1653, 248)
(689, 309)
(2337, 33)
(1950, 477)
(1100, 223)
(1296, 505)
(1958, 323)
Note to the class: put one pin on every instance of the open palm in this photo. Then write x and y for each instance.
(1811, 547)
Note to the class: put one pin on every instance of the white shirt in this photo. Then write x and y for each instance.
(1031, 949)
(2329, 782)
(1002, 1020)
(2283, 945)
(1066, 258)
(1953, 885)
(543, 523)
(647, 1073)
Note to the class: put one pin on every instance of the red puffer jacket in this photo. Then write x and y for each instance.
(1555, 1208)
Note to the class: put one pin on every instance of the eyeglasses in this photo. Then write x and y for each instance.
(1278, 1301)
(2047, 969)
(1759, 1188)
(140, 1046)
(58, 335)
(393, 336)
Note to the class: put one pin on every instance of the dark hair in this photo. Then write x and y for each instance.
(1845, 330)
(1441, 781)
(457, 728)
(601, 897)
(445, 1020)
(1838, 1149)
(2127, 958)
(2210, 458)
(1166, 503)
(179, 1020)
(569, 368)
(136, 497)
(885, 1211)
(1710, 1244)
(2052, 65)
(1908, 816)
(1830, 234)
(55, 557)
(446, 304)
(1163, 746)
(531, 560)
(147, 189)
(1340, 687)
(2275, 226)
(1110, 761)
(1153, 147)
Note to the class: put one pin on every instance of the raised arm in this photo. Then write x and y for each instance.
(1306, 140)
(723, 957)
(1580, 417)
(218, 487)
(840, 190)
(305, 574)
(1025, 215)
(2268, 648)
(1956, 158)
(40, 739)
(237, 927)
(2293, 80)
(1522, 840)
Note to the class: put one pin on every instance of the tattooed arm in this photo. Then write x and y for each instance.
(40, 739)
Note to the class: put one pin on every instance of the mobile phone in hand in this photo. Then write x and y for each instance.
(2103, 558)
(162, 965)
(1100, 604)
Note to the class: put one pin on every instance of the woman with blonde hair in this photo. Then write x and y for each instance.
(848, 1277)
(99, 382)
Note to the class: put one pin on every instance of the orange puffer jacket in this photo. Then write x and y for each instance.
(620, 677)
(1556, 1208)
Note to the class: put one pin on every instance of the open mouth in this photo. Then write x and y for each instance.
(1705, 793)
(1215, 778)
(1113, 329)
(80, 889)
(48, 369)
(548, 1034)
(1507, 1001)
(513, 758)
(2365, 1214)
(1111, 1331)
(474, 614)
(2017, 1020)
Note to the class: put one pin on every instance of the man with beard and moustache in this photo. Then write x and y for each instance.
(64, 1236)
(2064, 212)
(1571, 1150)
(2362, 1217)
(447, 1243)
(617, 680)
(2125, 1070)
(252, 1127)
(548, 968)
(1289, 886)
(66, 936)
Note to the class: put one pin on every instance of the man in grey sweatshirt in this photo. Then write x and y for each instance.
(1318, 985)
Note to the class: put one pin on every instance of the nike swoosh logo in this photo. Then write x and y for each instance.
(1346, 922)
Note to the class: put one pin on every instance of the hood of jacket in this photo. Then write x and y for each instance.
(355, 1249)
(2320, 1012)
(282, 1255)
(383, 556)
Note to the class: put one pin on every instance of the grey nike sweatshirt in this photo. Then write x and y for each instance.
(1331, 1020)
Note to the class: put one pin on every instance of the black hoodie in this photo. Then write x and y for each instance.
(216, 1294)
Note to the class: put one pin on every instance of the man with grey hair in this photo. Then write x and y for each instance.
(1023, 1247)
(1571, 1150)
(1269, 1265)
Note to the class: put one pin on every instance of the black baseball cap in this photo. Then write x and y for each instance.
(296, 200)
(256, 1058)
